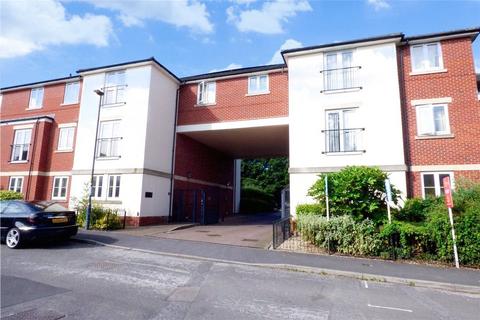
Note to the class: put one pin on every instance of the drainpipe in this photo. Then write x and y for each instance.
(27, 193)
(172, 170)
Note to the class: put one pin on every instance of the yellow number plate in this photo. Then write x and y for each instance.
(60, 220)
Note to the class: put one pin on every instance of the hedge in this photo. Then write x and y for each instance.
(10, 195)
(315, 209)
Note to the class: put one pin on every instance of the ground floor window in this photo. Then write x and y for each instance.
(114, 186)
(15, 184)
(432, 183)
(97, 186)
(59, 191)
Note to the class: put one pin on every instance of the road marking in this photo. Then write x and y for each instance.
(365, 283)
(389, 308)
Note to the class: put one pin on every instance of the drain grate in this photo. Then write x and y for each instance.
(205, 231)
(214, 235)
(104, 265)
(35, 314)
(250, 240)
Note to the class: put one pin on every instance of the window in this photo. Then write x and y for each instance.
(206, 93)
(432, 120)
(339, 71)
(258, 84)
(426, 57)
(114, 88)
(21, 145)
(60, 188)
(114, 186)
(36, 98)
(72, 91)
(65, 138)
(109, 141)
(432, 183)
(342, 134)
(16, 184)
(97, 186)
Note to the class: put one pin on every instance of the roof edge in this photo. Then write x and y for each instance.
(233, 72)
(475, 31)
(26, 85)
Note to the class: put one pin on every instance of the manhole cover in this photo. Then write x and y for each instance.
(202, 231)
(214, 235)
(250, 240)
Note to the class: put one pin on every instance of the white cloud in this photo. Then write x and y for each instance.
(268, 19)
(229, 67)
(477, 65)
(29, 26)
(289, 44)
(180, 13)
(378, 4)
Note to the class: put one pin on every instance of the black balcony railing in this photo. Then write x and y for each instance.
(114, 95)
(20, 152)
(108, 147)
(340, 79)
(343, 140)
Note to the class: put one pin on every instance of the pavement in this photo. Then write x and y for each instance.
(447, 278)
(77, 280)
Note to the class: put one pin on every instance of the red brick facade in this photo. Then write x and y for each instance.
(458, 82)
(233, 103)
(43, 160)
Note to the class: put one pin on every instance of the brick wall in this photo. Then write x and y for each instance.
(232, 103)
(458, 83)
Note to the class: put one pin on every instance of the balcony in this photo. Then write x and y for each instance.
(114, 95)
(340, 79)
(343, 140)
(108, 147)
(20, 152)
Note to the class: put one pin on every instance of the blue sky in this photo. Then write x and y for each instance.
(45, 39)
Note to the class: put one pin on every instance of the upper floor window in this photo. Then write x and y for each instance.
(340, 72)
(432, 183)
(36, 98)
(15, 184)
(258, 84)
(206, 92)
(109, 141)
(72, 91)
(114, 91)
(342, 133)
(432, 120)
(59, 190)
(426, 57)
(65, 138)
(21, 145)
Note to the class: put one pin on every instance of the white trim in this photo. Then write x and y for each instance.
(257, 94)
(233, 125)
(35, 173)
(67, 125)
(429, 71)
(13, 121)
(207, 183)
(436, 180)
(60, 187)
(240, 75)
(419, 102)
(445, 167)
(438, 38)
(41, 84)
(24, 126)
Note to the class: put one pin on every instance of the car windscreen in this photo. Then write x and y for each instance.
(46, 206)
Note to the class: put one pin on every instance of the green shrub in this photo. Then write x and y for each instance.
(467, 228)
(358, 191)
(415, 209)
(316, 209)
(10, 195)
(413, 240)
(100, 218)
(253, 199)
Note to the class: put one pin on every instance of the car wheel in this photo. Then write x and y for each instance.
(13, 239)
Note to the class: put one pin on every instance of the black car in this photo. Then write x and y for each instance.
(22, 221)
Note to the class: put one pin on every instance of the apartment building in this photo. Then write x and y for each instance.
(38, 130)
(170, 148)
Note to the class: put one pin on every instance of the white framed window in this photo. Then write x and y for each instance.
(426, 57)
(15, 184)
(258, 84)
(65, 138)
(59, 190)
(36, 98)
(342, 133)
(432, 183)
(206, 92)
(114, 90)
(339, 72)
(21, 145)
(109, 141)
(72, 91)
(432, 120)
(113, 186)
(97, 186)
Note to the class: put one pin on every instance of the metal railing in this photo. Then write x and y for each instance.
(108, 147)
(19, 152)
(340, 79)
(114, 95)
(281, 231)
(343, 140)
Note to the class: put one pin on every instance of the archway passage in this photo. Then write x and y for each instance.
(208, 167)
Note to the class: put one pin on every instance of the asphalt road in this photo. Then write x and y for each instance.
(80, 281)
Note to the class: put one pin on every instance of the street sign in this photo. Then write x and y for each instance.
(448, 192)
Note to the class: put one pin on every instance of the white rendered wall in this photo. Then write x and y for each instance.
(378, 110)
